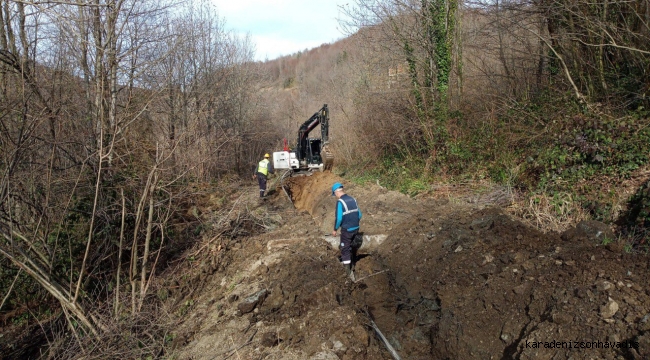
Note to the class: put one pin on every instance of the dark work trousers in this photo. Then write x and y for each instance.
(346, 249)
(261, 179)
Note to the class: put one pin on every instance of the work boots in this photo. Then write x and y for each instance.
(349, 271)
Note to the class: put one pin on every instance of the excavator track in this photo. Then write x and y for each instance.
(328, 158)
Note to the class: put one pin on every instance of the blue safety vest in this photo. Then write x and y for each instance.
(350, 213)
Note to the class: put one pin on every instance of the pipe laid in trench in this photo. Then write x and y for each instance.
(388, 346)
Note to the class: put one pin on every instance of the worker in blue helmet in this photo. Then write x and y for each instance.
(347, 219)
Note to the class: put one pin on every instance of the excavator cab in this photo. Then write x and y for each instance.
(313, 155)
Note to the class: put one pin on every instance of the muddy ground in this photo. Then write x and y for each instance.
(449, 280)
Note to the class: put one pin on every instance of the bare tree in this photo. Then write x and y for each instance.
(418, 39)
(88, 153)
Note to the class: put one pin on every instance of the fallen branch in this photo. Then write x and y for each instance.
(20, 270)
(371, 275)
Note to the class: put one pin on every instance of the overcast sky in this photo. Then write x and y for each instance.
(283, 27)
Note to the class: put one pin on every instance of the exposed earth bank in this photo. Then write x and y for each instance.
(441, 279)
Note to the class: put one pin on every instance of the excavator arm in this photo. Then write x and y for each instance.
(321, 117)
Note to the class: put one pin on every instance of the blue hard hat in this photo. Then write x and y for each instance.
(336, 186)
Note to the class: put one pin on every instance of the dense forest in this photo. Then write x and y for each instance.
(114, 112)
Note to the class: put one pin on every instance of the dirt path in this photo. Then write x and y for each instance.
(446, 280)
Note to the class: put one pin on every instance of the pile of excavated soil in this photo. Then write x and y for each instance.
(478, 284)
(382, 209)
(450, 281)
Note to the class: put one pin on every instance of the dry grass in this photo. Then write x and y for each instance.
(546, 213)
(140, 336)
(543, 212)
(457, 190)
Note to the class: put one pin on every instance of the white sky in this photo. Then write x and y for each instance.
(283, 27)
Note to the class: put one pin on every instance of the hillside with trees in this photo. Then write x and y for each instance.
(119, 118)
(548, 100)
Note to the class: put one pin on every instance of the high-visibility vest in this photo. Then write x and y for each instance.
(263, 167)
(350, 212)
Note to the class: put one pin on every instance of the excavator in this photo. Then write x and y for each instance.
(310, 154)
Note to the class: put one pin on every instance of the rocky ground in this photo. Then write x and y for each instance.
(440, 279)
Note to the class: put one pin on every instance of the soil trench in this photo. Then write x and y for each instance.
(454, 281)
(449, 280)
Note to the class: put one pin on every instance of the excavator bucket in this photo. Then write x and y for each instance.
(328, 158)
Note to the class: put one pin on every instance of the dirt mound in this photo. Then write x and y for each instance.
(382, 209)
(478, 284)
(308, 192)
(449, 281)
